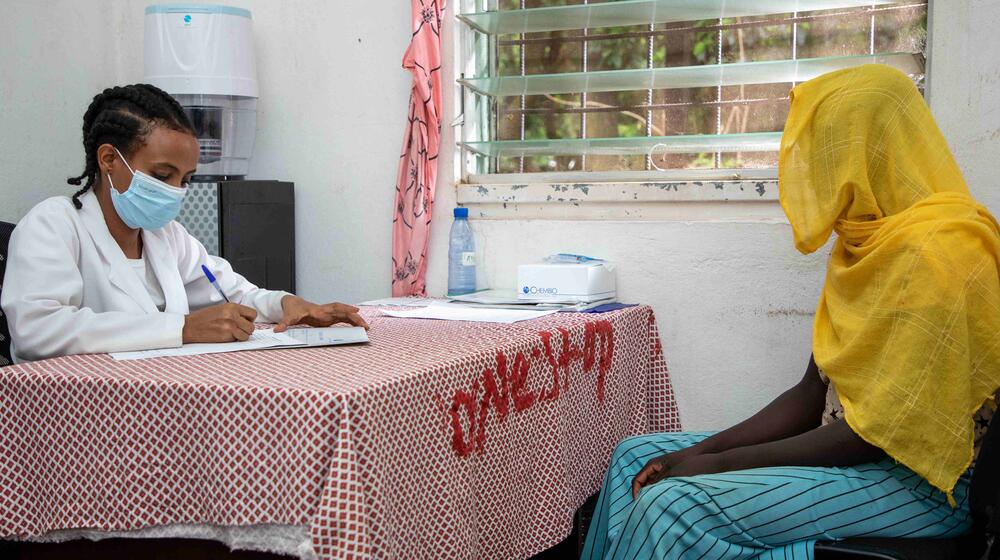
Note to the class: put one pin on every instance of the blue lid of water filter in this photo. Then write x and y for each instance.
(461, 212)
(197, 9)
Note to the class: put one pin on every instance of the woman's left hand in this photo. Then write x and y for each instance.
(708, 463)
(299, 311)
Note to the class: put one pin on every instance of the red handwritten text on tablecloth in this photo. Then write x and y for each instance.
(505, 388)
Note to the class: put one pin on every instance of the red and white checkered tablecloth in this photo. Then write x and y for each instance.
(437, 440)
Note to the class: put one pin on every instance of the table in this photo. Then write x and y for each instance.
(437, 440)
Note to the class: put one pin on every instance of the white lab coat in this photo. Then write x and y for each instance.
(69, 288)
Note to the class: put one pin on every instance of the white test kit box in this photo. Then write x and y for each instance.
(566, 282)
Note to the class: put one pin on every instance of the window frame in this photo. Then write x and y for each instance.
(472, 112)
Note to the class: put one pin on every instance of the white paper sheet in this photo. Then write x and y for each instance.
(456, 312)
(400, 302)
(261, 339)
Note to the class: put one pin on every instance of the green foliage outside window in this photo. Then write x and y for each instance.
(726, 110)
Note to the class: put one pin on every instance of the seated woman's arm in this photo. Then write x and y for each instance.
(795, 411)
(784, 432)
(43, 293)
(832, 445)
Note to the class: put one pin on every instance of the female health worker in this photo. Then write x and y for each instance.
(108, 270)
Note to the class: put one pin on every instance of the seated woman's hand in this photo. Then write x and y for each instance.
(228, 322)
(299, 311)
(676, 464)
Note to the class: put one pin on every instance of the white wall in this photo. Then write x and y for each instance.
(48, 74)
(733, 298)
(965, 89)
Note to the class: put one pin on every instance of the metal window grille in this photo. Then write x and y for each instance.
(671, 92)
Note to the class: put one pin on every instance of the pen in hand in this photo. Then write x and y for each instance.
(211, 280)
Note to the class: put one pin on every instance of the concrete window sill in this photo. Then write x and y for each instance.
(684, 200)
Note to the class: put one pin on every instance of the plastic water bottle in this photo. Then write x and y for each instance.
(461, 255)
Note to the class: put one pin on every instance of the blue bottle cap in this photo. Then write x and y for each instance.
(461, 212)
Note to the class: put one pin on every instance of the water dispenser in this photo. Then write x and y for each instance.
(203, 55)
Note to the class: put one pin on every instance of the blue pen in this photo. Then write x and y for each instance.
(211, 279)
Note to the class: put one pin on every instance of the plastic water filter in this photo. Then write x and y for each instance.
(203, 55)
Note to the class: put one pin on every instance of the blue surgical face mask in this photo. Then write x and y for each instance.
(148, 203)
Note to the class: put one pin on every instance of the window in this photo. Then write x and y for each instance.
(698, 88)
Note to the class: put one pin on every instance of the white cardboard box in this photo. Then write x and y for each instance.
(566, 283)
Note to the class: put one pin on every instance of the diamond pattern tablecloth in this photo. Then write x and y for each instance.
(437, 440)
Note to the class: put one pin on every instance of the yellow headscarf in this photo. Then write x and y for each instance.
(908, 325)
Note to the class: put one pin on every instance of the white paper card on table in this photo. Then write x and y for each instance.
(452, 312)
(261, 339)
(329, 336)
(399, 302)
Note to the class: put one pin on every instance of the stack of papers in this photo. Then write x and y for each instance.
(479, 306)
(494, 297)
(259, 340)
(459, 312)
(507, 299)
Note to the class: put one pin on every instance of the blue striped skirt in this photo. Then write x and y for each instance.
(771, 513)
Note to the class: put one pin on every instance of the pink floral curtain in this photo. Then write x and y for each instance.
(417, 174)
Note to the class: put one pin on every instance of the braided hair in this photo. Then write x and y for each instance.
(123, 116)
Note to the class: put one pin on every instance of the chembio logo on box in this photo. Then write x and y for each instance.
(533, 290)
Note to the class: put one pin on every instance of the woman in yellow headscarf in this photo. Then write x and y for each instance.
(878, 437)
